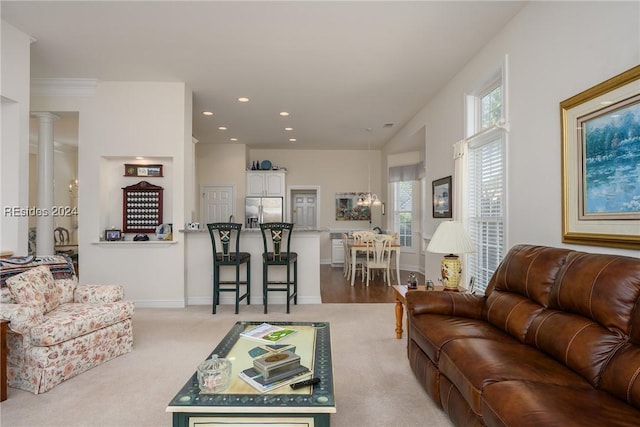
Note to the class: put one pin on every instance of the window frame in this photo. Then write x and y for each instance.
(396, 212)
(476, 137)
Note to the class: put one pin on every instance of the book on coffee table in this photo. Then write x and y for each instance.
(267, 333)
(257, 381)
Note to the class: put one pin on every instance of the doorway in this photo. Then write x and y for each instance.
(303, 207)
(217, 203)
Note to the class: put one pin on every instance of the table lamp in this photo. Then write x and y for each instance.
(451, 239)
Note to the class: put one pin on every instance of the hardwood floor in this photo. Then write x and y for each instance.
(334, 288)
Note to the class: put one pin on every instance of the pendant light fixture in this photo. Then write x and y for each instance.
(369, 198)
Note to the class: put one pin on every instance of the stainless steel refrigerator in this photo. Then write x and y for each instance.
(259, 210)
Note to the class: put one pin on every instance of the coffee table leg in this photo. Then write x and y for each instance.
(399, 312)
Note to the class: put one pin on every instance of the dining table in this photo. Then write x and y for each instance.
(356, 247)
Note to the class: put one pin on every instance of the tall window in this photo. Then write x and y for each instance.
(485, 184)
(486, 206)
(403, 212)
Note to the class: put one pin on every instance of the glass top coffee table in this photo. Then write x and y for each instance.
(241, 404)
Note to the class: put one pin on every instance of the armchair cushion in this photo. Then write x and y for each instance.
(93, 294)
(35, 287)
(73, 320)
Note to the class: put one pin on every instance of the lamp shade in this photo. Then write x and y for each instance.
(450, 238)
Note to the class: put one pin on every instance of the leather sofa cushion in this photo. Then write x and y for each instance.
(603, 288)
(576, 341)
(519, 290)
(472, 364)
(75, 319)
(521, 403)
(621, 377)
(529, 271)
(432, 331)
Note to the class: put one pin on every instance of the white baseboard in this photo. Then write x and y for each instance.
(273, 299)
(177, 303)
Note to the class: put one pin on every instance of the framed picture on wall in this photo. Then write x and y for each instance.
(142, 170)
(348, 209)
(442, 201)
(600, 158)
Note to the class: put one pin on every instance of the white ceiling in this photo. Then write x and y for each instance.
(338, 67)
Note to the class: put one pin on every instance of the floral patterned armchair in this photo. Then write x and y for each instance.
(58, 329)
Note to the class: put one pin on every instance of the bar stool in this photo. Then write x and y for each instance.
(276, 237)
(225, 239)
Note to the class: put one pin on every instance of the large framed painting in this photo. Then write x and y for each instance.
(601, 163)
(347, 208)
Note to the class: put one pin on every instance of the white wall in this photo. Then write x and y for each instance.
(14, 147)
(121, 121)
(555, 50)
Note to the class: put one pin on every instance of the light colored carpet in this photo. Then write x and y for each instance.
(374, 385)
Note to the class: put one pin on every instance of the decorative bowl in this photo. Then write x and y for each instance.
(214, 375)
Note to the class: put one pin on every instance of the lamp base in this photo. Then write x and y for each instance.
(451, 271)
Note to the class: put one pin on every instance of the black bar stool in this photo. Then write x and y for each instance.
(276, 237)
(225, 239)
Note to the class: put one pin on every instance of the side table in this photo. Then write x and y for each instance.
(3, 359)
(400, 294)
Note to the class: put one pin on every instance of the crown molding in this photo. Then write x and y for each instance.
(63, 87)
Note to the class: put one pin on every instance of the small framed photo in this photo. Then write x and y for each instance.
(112, 235)
(442, 202)
(143, 170)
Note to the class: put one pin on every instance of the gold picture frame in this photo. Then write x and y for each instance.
(600, 130)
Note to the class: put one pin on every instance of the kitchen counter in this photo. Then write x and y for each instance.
(199, 267)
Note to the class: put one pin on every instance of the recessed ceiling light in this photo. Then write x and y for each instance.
(292, 140)
(233, 139)
(243, 99)
(288, 128)
(284, 113)
(207, 113)
(222, 128)
(606, 102)
(139, 158)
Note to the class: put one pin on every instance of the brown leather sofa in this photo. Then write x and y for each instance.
(555, 341)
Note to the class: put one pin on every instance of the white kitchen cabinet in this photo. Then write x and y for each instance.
(337, 252)
(265, 184)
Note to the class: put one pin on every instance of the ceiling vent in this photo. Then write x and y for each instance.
(387, 125)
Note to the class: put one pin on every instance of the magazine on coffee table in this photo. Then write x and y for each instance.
(257, 381)
(267, 333)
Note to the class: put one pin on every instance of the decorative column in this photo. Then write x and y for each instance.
(44, 234)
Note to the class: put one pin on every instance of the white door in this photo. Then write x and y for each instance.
(304, 208)
(217, 203)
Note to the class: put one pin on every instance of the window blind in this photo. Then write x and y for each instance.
(486, 204)
(406, 173)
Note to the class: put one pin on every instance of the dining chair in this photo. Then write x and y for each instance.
(360, 235)
(348, 260)
(276, 238)
(61, 238)
(225, 241)
(378, 256)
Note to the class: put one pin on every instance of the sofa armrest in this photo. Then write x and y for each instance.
(98, 294)
(21, 317)
(445, 302)
(6, 310)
